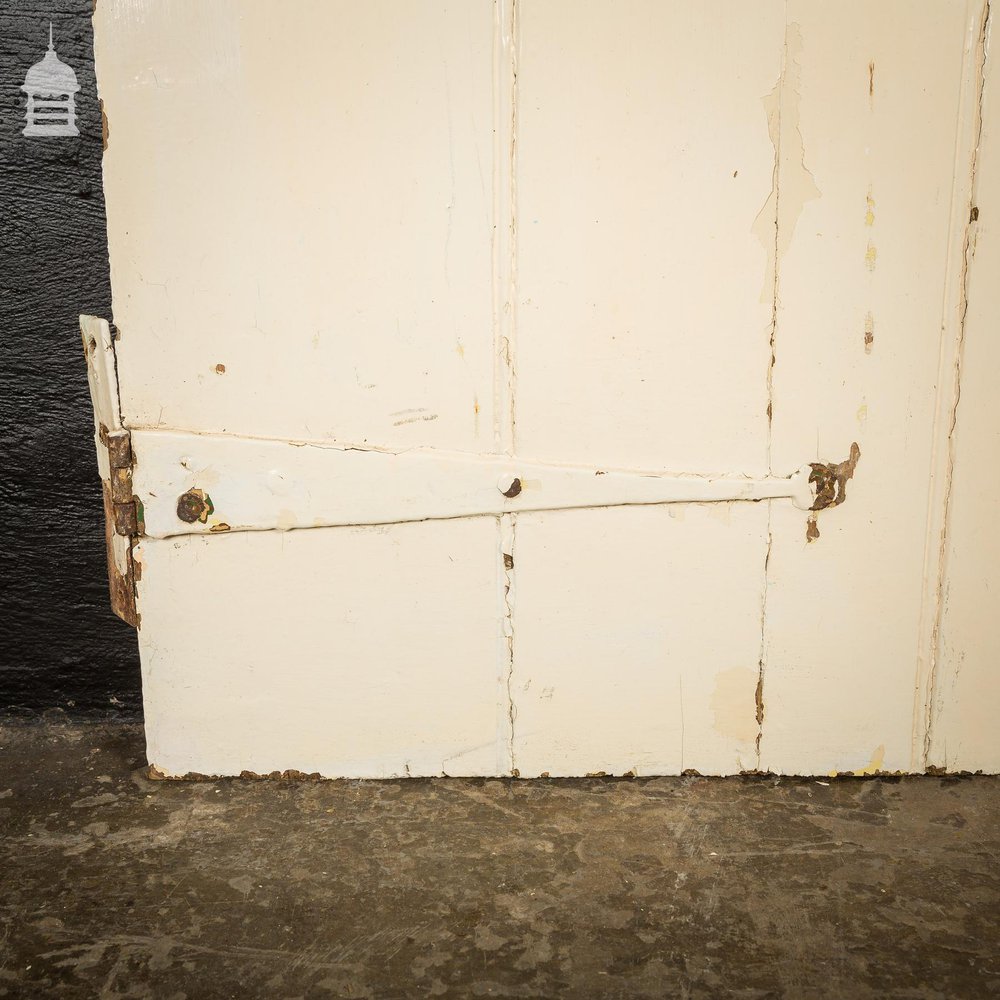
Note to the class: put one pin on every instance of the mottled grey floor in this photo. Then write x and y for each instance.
(115, 886)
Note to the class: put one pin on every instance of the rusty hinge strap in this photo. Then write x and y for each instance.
(122, 511)
(123, 500)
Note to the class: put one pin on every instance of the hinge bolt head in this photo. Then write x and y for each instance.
(509, 485)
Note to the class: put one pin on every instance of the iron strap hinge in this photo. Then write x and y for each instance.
(115, 460)
(125, 505)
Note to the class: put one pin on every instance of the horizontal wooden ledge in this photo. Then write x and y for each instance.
(188, 483)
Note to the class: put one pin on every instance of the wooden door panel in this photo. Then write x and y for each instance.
(300, 217)
(862, 293)
(267, 651)
(643, 169)
(486, 253)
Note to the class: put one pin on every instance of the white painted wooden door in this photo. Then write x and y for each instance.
(481, 362)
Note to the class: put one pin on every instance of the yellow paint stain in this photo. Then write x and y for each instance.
(734, 703)
(870, 256)
(875, 764)
(870, 209)
(721, 512)
(460, 350)
(862, 414)
(287, 520)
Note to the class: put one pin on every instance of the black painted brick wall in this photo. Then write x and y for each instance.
(60, 645)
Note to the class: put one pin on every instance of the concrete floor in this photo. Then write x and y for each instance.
(112, 885)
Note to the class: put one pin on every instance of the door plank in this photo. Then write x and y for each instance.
(644, 167)
(859, 295)
(300, 217)
(280, 651)
(965, 694)
(643, 162)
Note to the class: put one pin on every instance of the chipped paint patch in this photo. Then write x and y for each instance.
(869, 332)
(195, 505)
(792, 185)
(830, 480)
(792, 182)
(812, 528)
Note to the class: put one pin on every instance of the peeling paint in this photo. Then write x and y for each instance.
(792, 186)
(762, 655)
(123, 518)
(195, 505)
(924, 714)
(121, 578)
(507, 527)
(812, 528)
(830, 480)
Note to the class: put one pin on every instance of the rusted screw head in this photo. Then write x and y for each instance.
(509, 486)
(195, 505)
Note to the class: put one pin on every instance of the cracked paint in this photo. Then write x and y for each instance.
(506, 524)
(830, 479)
(792, 186)
(968, 251)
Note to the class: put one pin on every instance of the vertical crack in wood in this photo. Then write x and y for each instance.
(505, 224)
(774, 128)
(970, 215)
(505, 321)
(762, 657)
(776, 136)
(508, 541)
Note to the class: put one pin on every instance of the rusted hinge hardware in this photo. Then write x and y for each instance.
(126, 507)
(123, 512)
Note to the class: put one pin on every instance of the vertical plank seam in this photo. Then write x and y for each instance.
(759, 690)
(775, 277)
(504, 327)
(967, 254)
